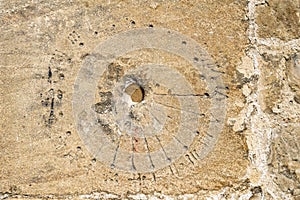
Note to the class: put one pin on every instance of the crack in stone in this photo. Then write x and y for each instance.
(175, 108)
(182, 95)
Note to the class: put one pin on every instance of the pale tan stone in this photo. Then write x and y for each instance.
(43, 155)
(246, 67)
(279, 19)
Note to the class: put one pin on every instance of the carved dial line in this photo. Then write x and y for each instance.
(199, 114)
(137, 103)
(162, 147)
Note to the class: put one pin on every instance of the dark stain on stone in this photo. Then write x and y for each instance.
(105, 104)
(49, 74)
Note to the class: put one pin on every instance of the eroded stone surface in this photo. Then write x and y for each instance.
(44, 46)
(293, 74)
(283, 109)
(279, 19)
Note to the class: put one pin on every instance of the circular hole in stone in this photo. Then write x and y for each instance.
(136, 92)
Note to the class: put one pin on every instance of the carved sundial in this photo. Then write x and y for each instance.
(142, 115)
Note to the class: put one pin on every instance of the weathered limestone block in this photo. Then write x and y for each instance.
(279, 19)
(44, 46)
(294, 75)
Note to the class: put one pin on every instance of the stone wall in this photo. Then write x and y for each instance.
(214, 112)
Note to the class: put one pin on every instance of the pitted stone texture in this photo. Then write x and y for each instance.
(94, 67)
(272, 75)
(279, 78)
(293, 74)
(279, 19)
(285, 158)
(43, 47)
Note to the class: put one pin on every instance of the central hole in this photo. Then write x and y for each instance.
(136, 92)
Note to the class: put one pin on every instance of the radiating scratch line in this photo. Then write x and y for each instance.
(182, 95)
(199, 114)
(115, 156)
(154, 116)
(101, 146)
(148, 151)
(194, 131)
(184, 146)
(147, 146)
(132, 155)
(168, 158)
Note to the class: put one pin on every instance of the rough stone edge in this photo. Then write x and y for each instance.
(261, 134)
